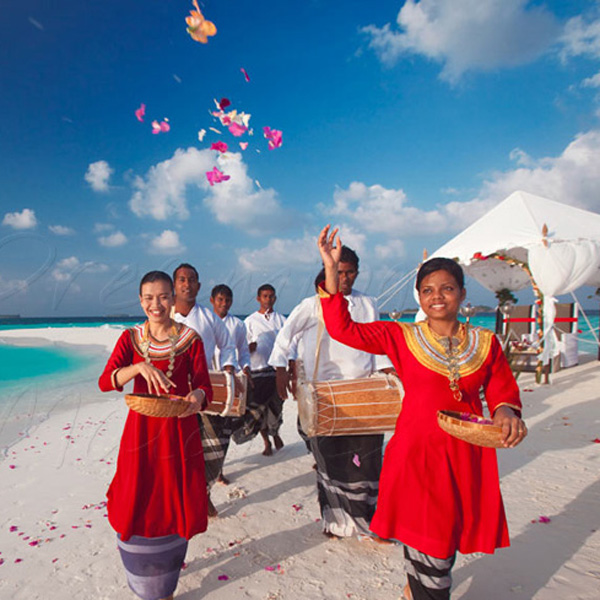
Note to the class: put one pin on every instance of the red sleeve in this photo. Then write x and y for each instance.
(122, 356)
(368, 337)
(501, 389)
(200, 376)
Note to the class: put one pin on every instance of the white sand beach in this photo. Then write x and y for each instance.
(56, 543)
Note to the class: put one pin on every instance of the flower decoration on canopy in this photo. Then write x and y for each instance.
(199, 28)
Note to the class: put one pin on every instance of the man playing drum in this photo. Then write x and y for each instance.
(214, 335)
(348, 466)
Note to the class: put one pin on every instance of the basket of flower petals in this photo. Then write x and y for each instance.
(151, 405)
(471, 428)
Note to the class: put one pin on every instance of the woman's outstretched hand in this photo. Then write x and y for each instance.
(330, 248)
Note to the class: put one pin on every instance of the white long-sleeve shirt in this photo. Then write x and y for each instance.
(237, 333)
(262, 328)
(214, 334)
(336, 360)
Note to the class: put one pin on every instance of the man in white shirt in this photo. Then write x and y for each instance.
(266, 406)
(221, 298)
(214, 335)
(347, 487)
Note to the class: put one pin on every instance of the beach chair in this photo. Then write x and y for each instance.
(520, 338)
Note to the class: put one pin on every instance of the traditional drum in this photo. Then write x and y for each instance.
(349, 406)
(229, 394)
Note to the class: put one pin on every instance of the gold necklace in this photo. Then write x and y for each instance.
(450, 345)
(145, 346)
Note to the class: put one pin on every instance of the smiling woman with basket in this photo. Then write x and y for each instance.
(437, 494)
(157, 499)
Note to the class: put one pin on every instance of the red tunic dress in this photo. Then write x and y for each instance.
(437, 494)
(159, 487)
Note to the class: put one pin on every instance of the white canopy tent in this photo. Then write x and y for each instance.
(558, 244)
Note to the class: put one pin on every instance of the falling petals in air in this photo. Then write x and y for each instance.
(201, 134)
(243, 145)
(216, 176)
(274, 136)
(198, 27)
(224, 103)
(219, 146)
(356, 460)
(140, 113)
(245, 74)
(161, 127)
(215, 130)
(237, 130)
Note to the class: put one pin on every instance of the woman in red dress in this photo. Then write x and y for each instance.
(157, 499)
(437, 494)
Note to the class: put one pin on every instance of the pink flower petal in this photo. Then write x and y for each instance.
(219, 146)
(596, 441)
(274, 136)
(12, 466)
(140, 112)
(245, 73)
(243, 145)
(544, 519)
(18, 560)
(13, 528)
(216, 176)
(237, 130)
(224, 103)
(356, 460)
(223, 578)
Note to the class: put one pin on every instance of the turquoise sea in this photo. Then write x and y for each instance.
(38, 380)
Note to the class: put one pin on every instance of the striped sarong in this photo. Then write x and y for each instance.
(348, 468)
(152, 564)
(429, 578)
(216, 433)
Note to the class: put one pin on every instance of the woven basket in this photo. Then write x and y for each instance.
(156, 406)
(470, 428)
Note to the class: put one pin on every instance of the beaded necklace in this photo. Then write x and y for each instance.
(145, 346)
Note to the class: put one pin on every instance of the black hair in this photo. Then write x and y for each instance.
(319, 278)
(349, 256)
(265, 287)
(222, 289)
(153, 276)
(441, 264)
(185, 266)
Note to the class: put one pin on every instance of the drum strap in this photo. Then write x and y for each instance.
(320, 331)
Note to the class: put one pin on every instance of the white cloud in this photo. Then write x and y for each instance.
(103, 227)
(392, 249)
(161, 194)
(166, 243)
(573, 177)
(69, 268)
(113, 240)
(592, 82)
(61, 230)
(98, 174)
(581, 38)
(467, 35)
(23, 220)
(299, 252)
(379, 210)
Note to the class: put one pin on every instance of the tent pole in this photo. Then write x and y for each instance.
(587, 321)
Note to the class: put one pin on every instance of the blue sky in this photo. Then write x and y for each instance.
(402, 122)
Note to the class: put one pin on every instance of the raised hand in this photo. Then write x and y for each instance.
(330, 248)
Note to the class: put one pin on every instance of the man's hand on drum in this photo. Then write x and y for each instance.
(197, 400)
(158, 382)
(514, 429)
